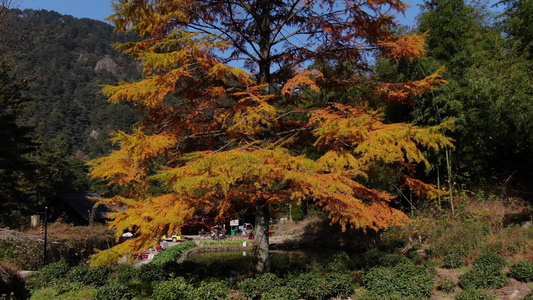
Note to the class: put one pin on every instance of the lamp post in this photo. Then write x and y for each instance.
(45, 233)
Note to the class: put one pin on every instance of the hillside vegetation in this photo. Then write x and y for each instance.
(64, 61)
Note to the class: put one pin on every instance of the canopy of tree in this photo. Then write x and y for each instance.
(299, 119)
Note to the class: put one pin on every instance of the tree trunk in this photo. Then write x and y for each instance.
(262, 214)
(261, 239)
(450, 180)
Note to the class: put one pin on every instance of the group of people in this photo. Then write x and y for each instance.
(162, 246)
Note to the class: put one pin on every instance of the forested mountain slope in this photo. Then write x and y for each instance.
(64, 60)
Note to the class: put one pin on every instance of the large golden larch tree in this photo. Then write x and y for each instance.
(232, 94)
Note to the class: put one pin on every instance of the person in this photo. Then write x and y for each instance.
(159, 248)
(165, 244)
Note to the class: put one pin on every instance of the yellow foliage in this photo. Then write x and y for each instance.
(248, 175)
(129, 164)
(420, 188)
(405, 92)
(302, 79)
(408, 46)
(252, 114)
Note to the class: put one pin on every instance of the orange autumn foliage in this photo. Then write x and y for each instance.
(217, 139)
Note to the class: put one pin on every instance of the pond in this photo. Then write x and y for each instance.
(238, 262)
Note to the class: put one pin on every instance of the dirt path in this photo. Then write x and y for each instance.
(513, 290)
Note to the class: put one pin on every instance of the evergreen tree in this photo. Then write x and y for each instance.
(15, 144)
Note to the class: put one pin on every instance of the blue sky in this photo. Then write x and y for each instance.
(100, 9)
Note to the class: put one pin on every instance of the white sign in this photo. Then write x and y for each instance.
(234, 223)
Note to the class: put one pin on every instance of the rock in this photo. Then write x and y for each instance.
(11, 282)
(107, 64)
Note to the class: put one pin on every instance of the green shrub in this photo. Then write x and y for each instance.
(431, 266)
(255, 286)
(522, 271)
(173, 289)
(406, 280)
(78, 273)
(490, 260)
(116, 291)
(98, 275)
(151, 272)
(172, 254)
(338, 285)
(486, 273)
(125, 273)
(282, 293)
(85, 275)
(446, 285)
(475, 295)
(483, 279)
(375, 257)
(216, 290)
(50, 274)
(340, 262)
(27, 255)
(452, 260)
(322, 286)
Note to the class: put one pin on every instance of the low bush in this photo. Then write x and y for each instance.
(67, 291)
(125, 273)
(77, 274)
(172, 254)
(282, 293)
(375, 257)
(490, 260)
(475, 295)
(172, 289)
(216, 290)
(179, 289)
(49, 275)
(486, 273)
(26, 255)
(446, 285)
(85, 275)
(522, 271)
(322, 286)
(340, 262)
(116, 291)
(406, 280)
(255, 286)
(151, 273)
(452, 260)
